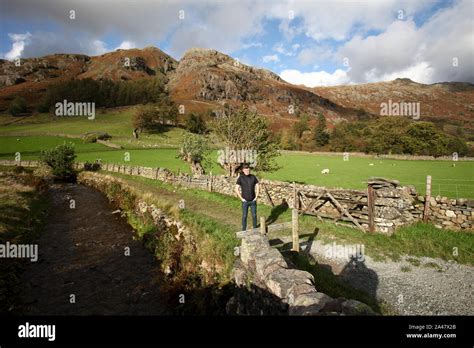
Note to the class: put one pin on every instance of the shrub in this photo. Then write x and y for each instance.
(195, 124)
(91, 167)
(17, 106)
(61, 159)
(194, 150)
(94, 136)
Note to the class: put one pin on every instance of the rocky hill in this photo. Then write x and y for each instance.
(205, 79)
(33, 76)
(214, 78)
(454, 100)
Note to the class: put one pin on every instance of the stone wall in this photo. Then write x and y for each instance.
(395, 205)
(449, 213)
(262, 267)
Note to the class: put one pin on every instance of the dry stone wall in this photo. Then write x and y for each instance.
(395, 205)
(262, 267)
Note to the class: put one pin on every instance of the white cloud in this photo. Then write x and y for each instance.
(280, 48)
(318, 78)
(392, 51)
(339, 19)
(421, 72)
(315, 55)
(18, 45)
(125, 45)
(270, 58)
(424, 54)
(400, 48)
(98, 47)
(251, 44)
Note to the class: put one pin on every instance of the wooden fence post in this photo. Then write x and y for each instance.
(210, 181)
(295, 196)
(262, 225)
(426, 211)
(294, 229)
(371, 207)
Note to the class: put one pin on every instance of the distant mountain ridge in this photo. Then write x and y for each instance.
(206, 79)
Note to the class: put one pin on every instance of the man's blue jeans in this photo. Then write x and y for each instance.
(253, 209)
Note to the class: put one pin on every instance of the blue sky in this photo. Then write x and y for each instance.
(309, 42)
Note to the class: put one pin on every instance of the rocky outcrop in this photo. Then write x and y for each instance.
(448, 100)
(39, 69)
(211, 76)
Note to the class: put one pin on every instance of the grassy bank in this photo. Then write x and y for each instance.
(23, 209)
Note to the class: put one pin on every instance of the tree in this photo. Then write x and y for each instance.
(194, 150)
(60, 159)
(155, 117)
(458, 145)
(145, 118)
(321, 136)
(288, 141)
(195, 124)
(245, 132)
(17, 106)
(300, 126)
(167, 111)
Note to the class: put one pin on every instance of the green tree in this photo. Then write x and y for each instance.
(245, 130)
(17, 106)
(195, 150)
(60, 159)
(424, 138)
(195, 123)
(458, 145)
(300, 126)
(321, 136)
(145, 118)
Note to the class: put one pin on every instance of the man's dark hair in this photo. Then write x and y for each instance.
(245, 165)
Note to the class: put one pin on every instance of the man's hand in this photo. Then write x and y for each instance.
(243, 199)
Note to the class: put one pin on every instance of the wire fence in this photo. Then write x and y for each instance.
(446, 188)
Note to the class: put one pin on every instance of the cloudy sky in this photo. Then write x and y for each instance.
(315, 43)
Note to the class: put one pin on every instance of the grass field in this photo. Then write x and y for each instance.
(160, 150)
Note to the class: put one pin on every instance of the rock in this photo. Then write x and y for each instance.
(309, 304)
(382, 182)
(450, 213)
(268, 261)
(282, 280)
(354, 307)
(250, 245)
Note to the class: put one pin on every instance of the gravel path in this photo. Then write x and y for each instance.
(412, 286)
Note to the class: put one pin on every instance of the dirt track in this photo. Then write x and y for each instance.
(82, 252)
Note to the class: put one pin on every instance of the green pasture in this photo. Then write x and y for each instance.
(30, 135)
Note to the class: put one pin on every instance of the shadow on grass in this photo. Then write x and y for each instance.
(277, 211)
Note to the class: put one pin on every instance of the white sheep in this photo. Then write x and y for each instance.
(325, 171)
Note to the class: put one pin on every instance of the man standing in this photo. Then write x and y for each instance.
(249, 186)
